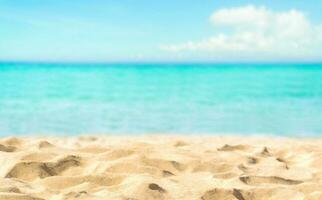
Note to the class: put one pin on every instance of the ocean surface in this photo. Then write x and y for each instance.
(71, 99)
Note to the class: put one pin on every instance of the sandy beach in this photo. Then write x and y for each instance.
(160, 167)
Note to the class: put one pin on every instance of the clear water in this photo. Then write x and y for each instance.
(278, 99)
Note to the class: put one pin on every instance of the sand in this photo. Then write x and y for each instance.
(160, 167)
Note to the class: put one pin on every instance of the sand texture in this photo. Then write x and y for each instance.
(160, 167)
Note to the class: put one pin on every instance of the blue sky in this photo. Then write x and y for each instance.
(167, 30)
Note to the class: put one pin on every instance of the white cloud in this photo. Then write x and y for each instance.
(260, 33)
(243, 17)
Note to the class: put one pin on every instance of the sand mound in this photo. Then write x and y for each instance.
(256, 180)
(33, 170)
(7, 148)
(160, 167)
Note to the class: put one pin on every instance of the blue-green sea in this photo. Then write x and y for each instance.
(69, 99)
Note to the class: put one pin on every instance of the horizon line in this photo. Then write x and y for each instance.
(154, 62)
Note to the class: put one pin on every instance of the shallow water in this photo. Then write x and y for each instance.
(277, 99)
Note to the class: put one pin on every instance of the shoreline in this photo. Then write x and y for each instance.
(163, 134)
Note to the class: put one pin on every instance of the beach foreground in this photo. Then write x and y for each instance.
(160, 167)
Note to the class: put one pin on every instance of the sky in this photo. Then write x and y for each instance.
(161, 31)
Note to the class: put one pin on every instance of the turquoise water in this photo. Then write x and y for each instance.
(278, 99)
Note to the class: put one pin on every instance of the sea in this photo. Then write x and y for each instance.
(279, 99)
